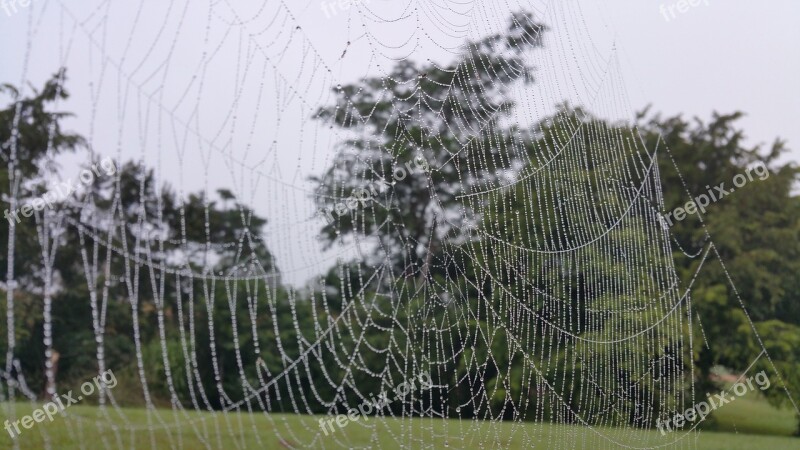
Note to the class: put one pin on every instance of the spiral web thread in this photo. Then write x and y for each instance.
(536, 236)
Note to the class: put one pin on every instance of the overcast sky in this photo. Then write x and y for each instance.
(220, 94)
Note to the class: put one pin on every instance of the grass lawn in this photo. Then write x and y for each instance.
(741, 425)
(751, 414)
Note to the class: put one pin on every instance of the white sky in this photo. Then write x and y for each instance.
(189, 94)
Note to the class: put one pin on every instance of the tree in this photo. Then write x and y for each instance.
(756, 234)
(121, 248)
(446, 118)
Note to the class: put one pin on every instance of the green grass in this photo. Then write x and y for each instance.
(85, 427)
(751, 414)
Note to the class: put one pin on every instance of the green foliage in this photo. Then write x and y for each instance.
(134, 305)
(755, 230)
(443, 117)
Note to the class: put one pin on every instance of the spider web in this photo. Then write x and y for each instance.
(537, 288)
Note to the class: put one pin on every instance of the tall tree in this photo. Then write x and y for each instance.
(445, 117)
